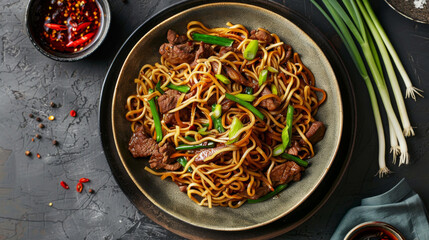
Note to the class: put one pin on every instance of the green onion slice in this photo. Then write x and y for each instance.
(221, 41)
(263, 77)
(236, 125)
(246, 105)
(156, 119)
(181, 88)
(274, 89)
(217, 110)
(222, 78)
(273, 70)
(251, 50)
(245, 97)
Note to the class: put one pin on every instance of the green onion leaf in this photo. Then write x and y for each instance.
(296, 159)
(251, 50)
(246, 105)
(273, 70)
(158, 87)
(287, 131)
(183, 162)
(156, 119)
(263, 77)
(221, 41)
(181, 88)
(184, 147)
(245, 97)
(189, 138)
(222, 78)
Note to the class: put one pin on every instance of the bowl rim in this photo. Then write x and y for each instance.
(104, 29)
(355, 230)
(404, 14)
(321, 177)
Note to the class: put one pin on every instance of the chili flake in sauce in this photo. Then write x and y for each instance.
(70, 25)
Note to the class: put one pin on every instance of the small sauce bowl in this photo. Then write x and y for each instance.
(67, 30)
(374, 231)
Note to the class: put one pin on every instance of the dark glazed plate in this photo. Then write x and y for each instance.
(409, 10)
(309, 203)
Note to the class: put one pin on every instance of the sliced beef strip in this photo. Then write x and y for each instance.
(202, 154)
(270, 104)
(261, 36)
(315, 133)
(204, 51)
(161, 158)
(226, 105)
(141, 145)
(175, 38)
(286, 172)
(185, 115)
(239, 78)
(294, 149)
(168, 100)
(177, 54)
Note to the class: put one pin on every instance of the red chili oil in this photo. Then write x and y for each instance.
(69, 25)
(374, 233)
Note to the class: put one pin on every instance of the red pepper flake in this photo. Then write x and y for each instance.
(73, 113)
(64, 185)
(83, 180)
(79, 187)
(38, 156)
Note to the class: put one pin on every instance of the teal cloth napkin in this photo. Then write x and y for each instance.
(400, 207)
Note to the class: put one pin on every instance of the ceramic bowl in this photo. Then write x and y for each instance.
(165, 194)
(32, 17)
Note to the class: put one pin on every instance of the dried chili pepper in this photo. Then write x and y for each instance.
(57, 27)
(81, 26)
(73, 113)
(64, 185)
(81, 40)
(83, 180)
(79, 187)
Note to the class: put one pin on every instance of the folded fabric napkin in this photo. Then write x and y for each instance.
(400, 207)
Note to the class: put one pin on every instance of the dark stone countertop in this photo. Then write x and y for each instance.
(29, 82)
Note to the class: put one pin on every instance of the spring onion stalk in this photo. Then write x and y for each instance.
(370, 20)
(181, 88)
(183, 162)
(245, 97)
(158, 87)
(296, 159)
(394, 147)
(222, 78)
(248, 90)
(236, 125)
(411, 90)
(263, 77)
(251, 50)
(185, 147)
(221, 41)
(278, 189)
(287, 131)
(272, 70)
(274, 89)
(217, 121)
(156, 119)
(278, 150)
(342, 30)
(246, 105)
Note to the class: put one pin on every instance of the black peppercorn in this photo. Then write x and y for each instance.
(41, 125)
(91, 190)
(54, 142)
(53, 104)
(38, 136)
(28, 153)
(38, 119)
(30, 115)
